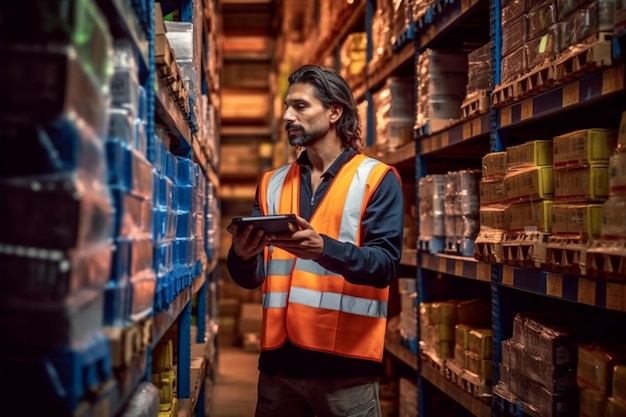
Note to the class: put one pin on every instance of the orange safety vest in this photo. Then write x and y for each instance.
(315, 308)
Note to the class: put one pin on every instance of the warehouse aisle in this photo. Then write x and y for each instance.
(234, 393)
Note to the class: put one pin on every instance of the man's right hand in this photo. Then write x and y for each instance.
(245, 245)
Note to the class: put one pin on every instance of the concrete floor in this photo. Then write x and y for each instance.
(234, 391)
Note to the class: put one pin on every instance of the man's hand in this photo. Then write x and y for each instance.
(247, 246)
(305, 243)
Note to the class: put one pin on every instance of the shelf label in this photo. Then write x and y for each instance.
(458, 268)
(483, 272)
(613, 80)
(506, 116)
(508, 275)
(527, 109)
(554, 285)
(442, 265)
(477, 125)
(467, 130)
(615, 296)
(586, 291)
(571, 92)
(445, 139)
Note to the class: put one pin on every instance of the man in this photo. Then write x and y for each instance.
(325, 287)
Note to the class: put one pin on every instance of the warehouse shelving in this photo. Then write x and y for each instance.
(592, 99)
(133, 22)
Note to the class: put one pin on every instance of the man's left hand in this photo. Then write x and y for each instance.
(305, 243)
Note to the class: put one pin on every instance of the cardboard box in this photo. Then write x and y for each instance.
(534, 216)
(584, 220)
(491, 191)
(494, 164)
(584, 147)
(621, 134)
(529, 184)
(494, 217)
(579, 185)
(530, 154)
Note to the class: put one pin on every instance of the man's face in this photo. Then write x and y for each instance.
(306, 119)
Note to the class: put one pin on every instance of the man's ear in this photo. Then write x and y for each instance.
(335, 113)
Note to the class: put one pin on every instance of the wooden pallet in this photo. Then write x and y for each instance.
(467, 381)
(539, 79)
(525, 249)
(475, 103)
(488, 245)
(504, 94)
(584, 58)
(433, 360)
(606, 259)
(566, 254)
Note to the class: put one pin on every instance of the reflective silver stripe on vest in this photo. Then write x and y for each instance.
(351, 218)
(274, 299)
(313, 267)
(338, 302)
(274, 189)
(280, 266)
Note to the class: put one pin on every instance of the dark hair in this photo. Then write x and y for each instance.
(331, 89)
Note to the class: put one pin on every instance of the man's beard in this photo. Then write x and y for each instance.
(307, 138)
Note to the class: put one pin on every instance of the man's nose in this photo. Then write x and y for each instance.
(288, 116)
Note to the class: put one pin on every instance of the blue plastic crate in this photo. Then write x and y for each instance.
(117, 304)
(186, 173)
(143, 288)
(120, 264)
(39, 275)
(60, 377)
(141, 140)
(130, 214)
(184, 197)
(141, 254)
(120, 126)
(74, 214)
(119, 165)
(181, 251)
(42, 324)
(184, 224)
(141, 175)
(66, 144)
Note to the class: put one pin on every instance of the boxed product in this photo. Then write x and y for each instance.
(614, 218)
(529, 184)
(592, 403)
(618, 389)
(621, 134)
(433, 61)
(595, 366)
(444, 312)
(534, 153)
(474, 312)
(541, 17)
(545, 46)
(572, 185)
(479, 69)
(615, 407)
(461, 336)
(443, 83)
(532, 216)
(491, 191)
(617, 174)
(494, 216)
(514, 34)
(514, 64)
(513, 9)
(479, 365)
(556, 379)
(583, 220)
(494, 164)
(584, 147)
(480, 342)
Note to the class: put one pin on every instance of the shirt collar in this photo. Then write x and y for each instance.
(332, 171)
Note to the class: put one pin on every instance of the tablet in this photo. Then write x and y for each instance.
(275, 224)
